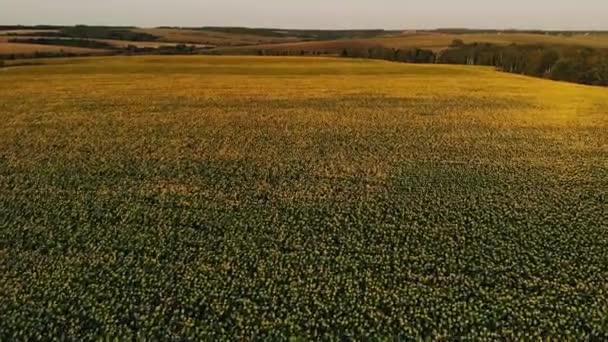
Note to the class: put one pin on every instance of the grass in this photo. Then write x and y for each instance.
(242, 197)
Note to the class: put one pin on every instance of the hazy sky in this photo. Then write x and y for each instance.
(390, 14)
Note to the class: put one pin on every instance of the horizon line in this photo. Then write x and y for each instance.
(472, 28)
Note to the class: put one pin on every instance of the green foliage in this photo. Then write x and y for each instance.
(397, 55)
(585, 66)
(548, 59)
(42, 54)
(564, 63)
(566, 69)
(179, 49)
(24, 27)
(597, 75)
(103, 32)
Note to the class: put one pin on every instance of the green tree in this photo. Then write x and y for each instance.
(547, 61)
(566, 69)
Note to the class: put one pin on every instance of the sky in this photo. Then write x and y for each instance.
(322, 14)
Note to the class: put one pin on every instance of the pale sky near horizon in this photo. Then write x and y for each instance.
(326, 14)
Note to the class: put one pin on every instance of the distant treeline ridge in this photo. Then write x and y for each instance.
(579, 65)
(97, 32)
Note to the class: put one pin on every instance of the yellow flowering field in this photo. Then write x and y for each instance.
(212, 198)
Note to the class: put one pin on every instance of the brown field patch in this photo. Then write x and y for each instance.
(18, 32)
(19, 48)
(212, 38)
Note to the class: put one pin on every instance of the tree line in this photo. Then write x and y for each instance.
(95, 32)
(41, 54)
(573, 64)
(108, 49)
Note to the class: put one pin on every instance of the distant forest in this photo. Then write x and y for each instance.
(572, 64)
(97, 32)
